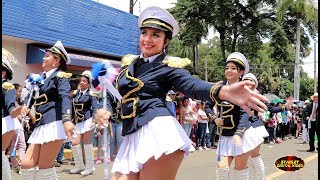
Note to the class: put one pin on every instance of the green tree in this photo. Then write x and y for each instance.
(291, 14)
(306, 86)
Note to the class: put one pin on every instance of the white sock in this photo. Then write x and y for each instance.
(258, 165)
(241, 174)
(6, 171)
(48, 174)
(223, 173)
(28, 174)
(78, 159)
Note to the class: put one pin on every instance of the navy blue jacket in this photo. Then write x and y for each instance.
(85, 106)
(144, 90)
(8, 98)
(54, 102)
(235, 120)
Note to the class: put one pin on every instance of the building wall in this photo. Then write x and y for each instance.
(18, 47)
(79, 24)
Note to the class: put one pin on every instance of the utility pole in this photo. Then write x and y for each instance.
(131, 7)
(297, 64)
(196, 59)
(315, 68)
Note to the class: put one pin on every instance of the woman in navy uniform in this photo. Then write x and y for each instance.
(260, 130)
(8, 110)
(154, 142)
(85, 103)
(53, 115)
(237, 137)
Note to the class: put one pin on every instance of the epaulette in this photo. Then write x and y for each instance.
(176, 62)
(7, 86)
(64, 74)
(75, 92)
(128, 59)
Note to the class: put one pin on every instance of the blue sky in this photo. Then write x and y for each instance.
(142, 4)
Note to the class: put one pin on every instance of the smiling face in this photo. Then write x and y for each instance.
(232, 72)
(50, 61)
(84, 83)
(152, 41)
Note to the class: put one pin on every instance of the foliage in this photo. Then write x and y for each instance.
(242, 25)
(288, 11)
(306, 86)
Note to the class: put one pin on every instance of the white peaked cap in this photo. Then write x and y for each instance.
(240, 59)
(7, 60)
(253, 77)
(87, 74)
(154, 12)
(59, 49)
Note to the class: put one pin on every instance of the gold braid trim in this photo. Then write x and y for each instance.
(119, 76)
(213, 90)
(77, 111)
(231, 119)
(128, 59)
(125, 98)
(140, 85)
(7, 86)
(64, 75)
(176, 62)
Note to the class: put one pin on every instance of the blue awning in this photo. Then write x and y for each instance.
(35, 55)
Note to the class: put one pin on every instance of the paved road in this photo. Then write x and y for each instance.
(201, 165)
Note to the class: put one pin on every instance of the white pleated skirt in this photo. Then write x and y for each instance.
(261, 132)
(84, 126)
(250, 140)
(48, 132)
(9, 124)
(162, 135)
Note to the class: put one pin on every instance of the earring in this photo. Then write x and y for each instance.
(54, 64)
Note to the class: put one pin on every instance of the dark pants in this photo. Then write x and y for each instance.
(271, 133)
(284, 130)
(60, 154)
(278, 130)
(312, 132)
(212, 134)
(202, 133)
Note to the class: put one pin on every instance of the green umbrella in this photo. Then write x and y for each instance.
(277, 100)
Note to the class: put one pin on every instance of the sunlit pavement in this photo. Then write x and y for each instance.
(201, 165)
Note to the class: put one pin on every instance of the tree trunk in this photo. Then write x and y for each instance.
(222, 45)
(297, 63)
